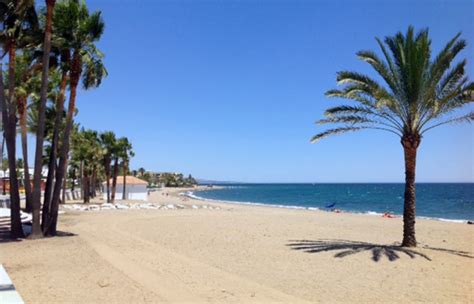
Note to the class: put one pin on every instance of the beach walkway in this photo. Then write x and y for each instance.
(8, 293)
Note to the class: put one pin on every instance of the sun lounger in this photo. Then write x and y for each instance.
(5, 220)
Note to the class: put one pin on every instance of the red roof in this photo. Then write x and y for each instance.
(130, 180)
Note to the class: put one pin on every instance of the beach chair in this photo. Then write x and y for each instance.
(5, 220)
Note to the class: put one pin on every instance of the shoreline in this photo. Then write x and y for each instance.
(191, 195)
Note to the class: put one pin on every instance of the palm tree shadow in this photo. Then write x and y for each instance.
(6, 238)
(345, 248)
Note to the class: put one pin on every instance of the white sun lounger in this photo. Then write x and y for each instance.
(8, 293)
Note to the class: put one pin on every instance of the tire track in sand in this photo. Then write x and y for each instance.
(171, 276)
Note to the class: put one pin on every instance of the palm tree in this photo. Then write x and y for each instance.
(108, 142)
(79, 30)
(55, 120)
(94, 162)
(25, 73)
(17, 18)
(54, 125)
(36, 227)
(87, 150)
(26, 82)
(420, 94)
(116, 155)
(127, 154)
(73, 165)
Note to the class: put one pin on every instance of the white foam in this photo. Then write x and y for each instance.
(443, 219)
(372, 213)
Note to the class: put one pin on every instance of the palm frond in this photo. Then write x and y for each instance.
(381, 68)
(452, 78)
(352, 119)
(335, 131)
(387, 120)
(464, 118)
(444, 59)
(346, 77)
(344, 109)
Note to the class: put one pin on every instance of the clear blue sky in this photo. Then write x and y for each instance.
(229, 90)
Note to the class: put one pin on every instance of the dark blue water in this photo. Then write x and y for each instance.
(446, 201)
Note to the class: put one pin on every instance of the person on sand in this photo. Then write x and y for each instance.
(388, 215)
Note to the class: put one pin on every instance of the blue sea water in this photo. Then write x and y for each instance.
(441, 201)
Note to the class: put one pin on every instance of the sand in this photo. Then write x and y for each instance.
(241, 254)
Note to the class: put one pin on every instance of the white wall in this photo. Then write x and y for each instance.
(133, 192)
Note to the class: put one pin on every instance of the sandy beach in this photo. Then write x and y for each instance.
(240, 254)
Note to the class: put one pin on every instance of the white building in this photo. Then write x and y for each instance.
(135, 189)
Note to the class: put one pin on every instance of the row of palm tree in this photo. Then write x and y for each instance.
(100, 157)
(418, 95)
(50, 51)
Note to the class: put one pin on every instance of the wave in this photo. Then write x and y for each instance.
(191, 194)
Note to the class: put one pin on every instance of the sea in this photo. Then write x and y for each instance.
(441, 201)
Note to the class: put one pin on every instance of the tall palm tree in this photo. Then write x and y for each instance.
(55, 120)
(25, 87)
(10, 138)
(36, 227)
(58, 80)
(17, 18)
(79, 30)
(420, 93)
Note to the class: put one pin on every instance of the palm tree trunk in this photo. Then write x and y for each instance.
(2, 107)
(51, 224)
(81, 172)
(124, 196)
(73, 183)
(9, 123)
(22, 108)
(86, 187)
(36, 228)
(107, 176)
(2, 121)
(52, 162)
(94, 183)
(114, 181)
(63, 199)
(16, 227)
(410, 146)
